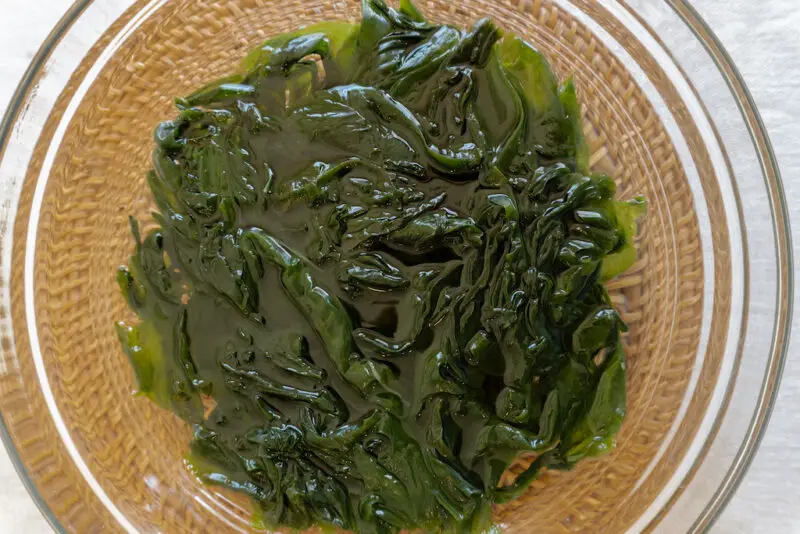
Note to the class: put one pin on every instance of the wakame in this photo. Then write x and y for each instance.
(376, 276)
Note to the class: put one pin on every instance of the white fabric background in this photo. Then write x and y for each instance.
(763, 37)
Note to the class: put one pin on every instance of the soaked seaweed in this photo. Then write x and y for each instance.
(376, 277)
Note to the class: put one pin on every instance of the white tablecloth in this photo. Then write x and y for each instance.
(763, 36)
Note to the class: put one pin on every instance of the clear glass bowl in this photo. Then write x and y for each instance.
(666, 113)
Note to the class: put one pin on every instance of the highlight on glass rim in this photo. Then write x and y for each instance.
(375, 278)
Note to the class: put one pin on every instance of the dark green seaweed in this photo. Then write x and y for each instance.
(376, 276)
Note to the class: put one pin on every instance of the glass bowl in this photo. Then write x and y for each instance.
(708, 302)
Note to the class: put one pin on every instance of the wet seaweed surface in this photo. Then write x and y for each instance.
(376, 277)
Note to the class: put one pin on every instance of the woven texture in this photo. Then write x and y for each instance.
(135, 450)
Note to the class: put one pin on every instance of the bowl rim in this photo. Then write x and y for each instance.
(776, 196)
(779, 347)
